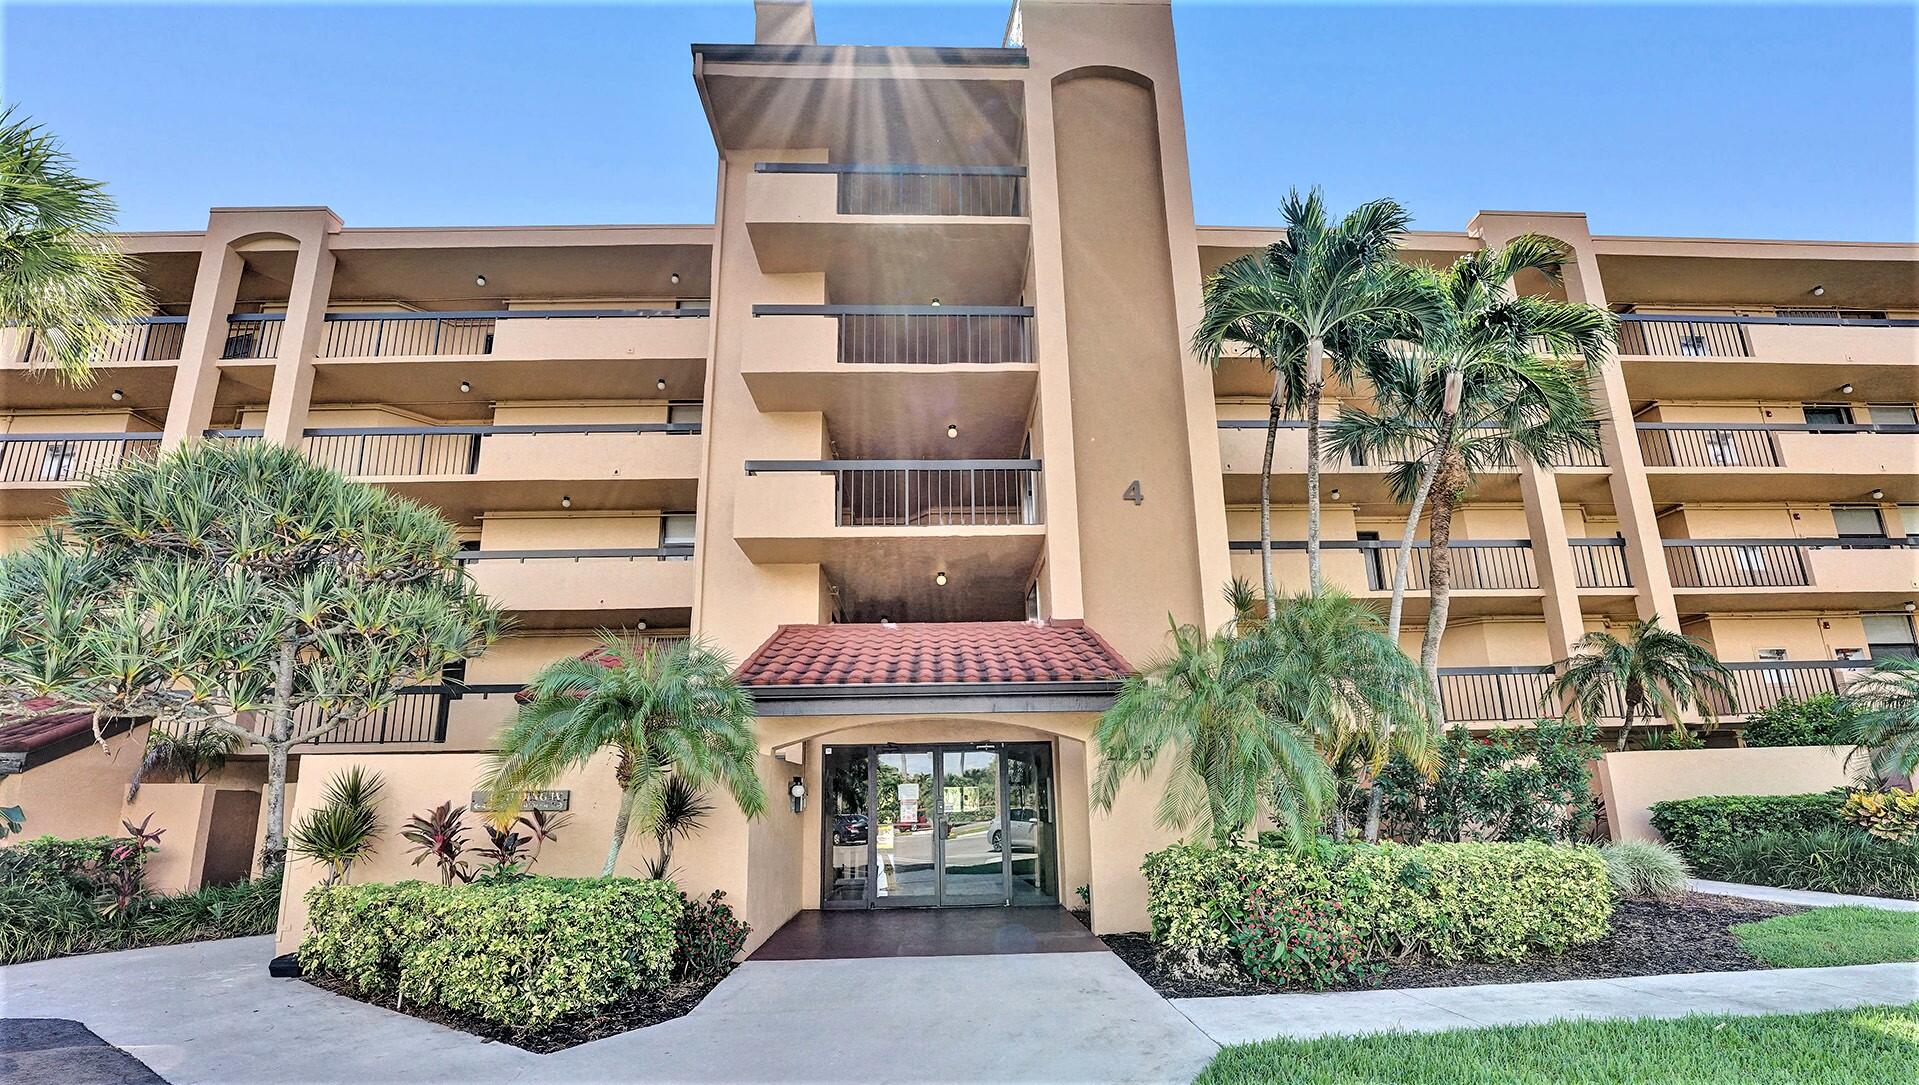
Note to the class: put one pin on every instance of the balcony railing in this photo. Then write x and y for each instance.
(924, 493)
(389, 451)
(1600, 563)
(1759, 686)
(1716, 336)
(70, 457)
(1511, 694)
(1493, 694)
(385, 335)
(1571, 457)
(1756, 563)
(655, 553)
(1735, 444)
(924, 334)
(880, 189)
(253, 335)
(142, 339)
(1478, 564)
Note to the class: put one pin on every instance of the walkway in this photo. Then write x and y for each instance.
(1246, 1018)
(1802, 897)
(208, 1013)
(927, 932)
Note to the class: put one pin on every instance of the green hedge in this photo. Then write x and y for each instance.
(1704, 827)
(83, 866)
(1450, 901)
(1816, 721)
(521, 953)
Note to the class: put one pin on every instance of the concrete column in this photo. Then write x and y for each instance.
(300, 338)
(197, 379)
(1632, 499)
(1552, 556)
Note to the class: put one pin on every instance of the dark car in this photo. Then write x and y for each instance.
(849, 828)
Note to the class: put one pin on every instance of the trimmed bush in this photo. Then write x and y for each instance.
(1815, 721)
(708, 939)
(1513, 784)
(1643, 868)
(1448, 901)
(40, 922)
(1889, 815)
(85, 866)
(1833, 860)
(1697, 828)
(521, 953)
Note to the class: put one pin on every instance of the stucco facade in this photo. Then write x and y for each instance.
(930, 364)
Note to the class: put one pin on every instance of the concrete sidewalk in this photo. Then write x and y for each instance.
(1247, 1018)
(1802, 897)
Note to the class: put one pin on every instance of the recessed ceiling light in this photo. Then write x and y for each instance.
(566, 502)
(640, 624)
(479, 280)
(952, 430)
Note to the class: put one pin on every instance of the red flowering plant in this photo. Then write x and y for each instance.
(1299, 944)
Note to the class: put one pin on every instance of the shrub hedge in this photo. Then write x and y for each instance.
(520, 953)
(1703, 827)
(39, 922)
(1814, 721)
(84, 866)
(1480, 901)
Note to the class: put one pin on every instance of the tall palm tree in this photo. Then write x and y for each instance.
(1497, 375)
(1206, 706)
(1303, 303)
(1887, 727)
(1652, 673)
(59, 276)
(665, 710)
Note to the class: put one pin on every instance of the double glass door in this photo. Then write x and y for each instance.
(938, 826)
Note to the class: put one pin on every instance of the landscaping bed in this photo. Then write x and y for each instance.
(1692, 933)
(636, 1009)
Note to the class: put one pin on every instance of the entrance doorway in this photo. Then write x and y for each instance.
(939, 826)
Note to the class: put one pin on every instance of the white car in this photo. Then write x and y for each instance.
(1024, 822)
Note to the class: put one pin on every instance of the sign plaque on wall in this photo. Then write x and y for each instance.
(551, 802)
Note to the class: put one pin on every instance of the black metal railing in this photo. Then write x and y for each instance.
(253, 335)
(1493, 694)
(1696, 444)
(924, 493)
(390, 451)
(1600, 563)
(383, 335)
(1478, 564)
(1578, 456)
(1717, 336)
(142, 339)
(924, 334)
(655, 553)
(1759, 686)
(70, 457)
(1757, 563)
(882, 189)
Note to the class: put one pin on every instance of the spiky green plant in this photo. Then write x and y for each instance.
(1652, 673)
(345, 827)
(60, 275)
(683, 812)
(1498, 375)
(1309, 307)
(667, 711)
(191, 755)
(1887, 724)
(237, 588)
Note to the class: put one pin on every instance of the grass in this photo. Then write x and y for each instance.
(1832, 936)
(1838, 1048)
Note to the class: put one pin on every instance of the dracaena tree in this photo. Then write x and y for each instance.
(1498, 375)
(237, 588)
(1311, 307)
(59, 273)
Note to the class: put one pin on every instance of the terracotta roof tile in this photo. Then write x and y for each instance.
(933, 652)
(51, 725)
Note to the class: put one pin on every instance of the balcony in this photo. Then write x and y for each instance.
(37, 469)
(1504, 695)
(469, 469)
(588, 588)
(1242, 447)
(1868, 573)
(1490, 576)
(958, 232)
(1698, 461)
(1693, 357)
(137, 361)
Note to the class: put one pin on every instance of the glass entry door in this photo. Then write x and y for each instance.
(933, 826)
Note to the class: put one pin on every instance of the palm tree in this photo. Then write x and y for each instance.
(192, 754)
(1206, 705)
(1496, 376)
(1653, 672)
(59, 276)
(1320, 295)
(1887, 725)
(666, 710)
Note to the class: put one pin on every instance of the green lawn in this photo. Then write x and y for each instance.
(1832, 936)
(1840, 1048)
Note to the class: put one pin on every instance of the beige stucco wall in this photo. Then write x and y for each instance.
(1631, 783)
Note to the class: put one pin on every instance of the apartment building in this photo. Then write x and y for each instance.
(912, 430)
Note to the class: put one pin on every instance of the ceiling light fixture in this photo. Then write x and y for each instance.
(936, 302)
(940, 578)
(1335, 494)
(1908, 608)
(641, 624)
(952, 430)
(566, 502)
(479, 280)
(1878, 495)
(465, 387)
(1845, 389)
(660, 384)
(674, 278)
(118, 395)
(1819, 291)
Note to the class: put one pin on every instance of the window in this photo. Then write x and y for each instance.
(1894, 414)
(685, 413)
(1722, 448)
(1828, 414)
(1846, 654)
(1858, 522)
(1909, 520)
(1774, 675)
(1693, 346)
(1889, 635)
(1752, 566)
(59, 462)
(677, 530)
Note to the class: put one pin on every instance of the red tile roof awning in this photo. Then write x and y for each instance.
(969, 653)
(52, 723)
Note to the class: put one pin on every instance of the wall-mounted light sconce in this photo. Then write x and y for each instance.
(465, 387)
(479, 280)
(940, 578)
(952, 431)
(118, 395)
(566, 502)
(797, 792)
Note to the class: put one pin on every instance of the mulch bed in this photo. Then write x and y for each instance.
(637, 1010)
(1649, 938)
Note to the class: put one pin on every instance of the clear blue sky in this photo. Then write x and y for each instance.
(1735, 120)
